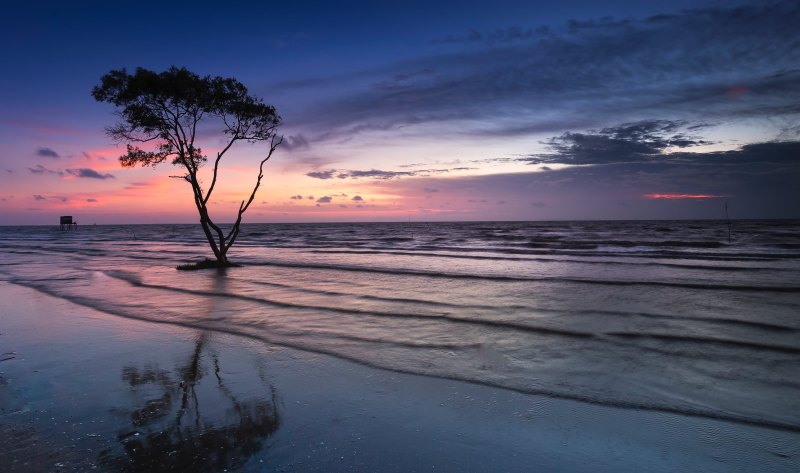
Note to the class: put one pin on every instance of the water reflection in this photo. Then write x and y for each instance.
(189, 419)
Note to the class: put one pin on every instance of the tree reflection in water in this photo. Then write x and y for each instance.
(170, 432)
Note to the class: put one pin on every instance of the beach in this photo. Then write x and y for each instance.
(449, 347)
(85, 391)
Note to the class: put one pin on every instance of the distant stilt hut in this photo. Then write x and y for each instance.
(67, 223)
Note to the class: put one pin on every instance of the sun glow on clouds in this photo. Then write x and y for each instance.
(683, 196)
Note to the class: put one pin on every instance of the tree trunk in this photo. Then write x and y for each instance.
(222, 258)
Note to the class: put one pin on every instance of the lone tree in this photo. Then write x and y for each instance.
(163, 111)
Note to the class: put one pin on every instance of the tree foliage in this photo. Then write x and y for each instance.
(160, 113)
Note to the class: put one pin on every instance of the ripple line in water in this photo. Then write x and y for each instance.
(616, 403)
(493, 308)
(434, 274)
(548, 260)
(445, 317)
(711, 340)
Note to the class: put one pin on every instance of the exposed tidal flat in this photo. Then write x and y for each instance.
(562, 346)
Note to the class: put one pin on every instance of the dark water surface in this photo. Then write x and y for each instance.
(658, 315)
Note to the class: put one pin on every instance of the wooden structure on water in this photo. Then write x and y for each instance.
(67, 223)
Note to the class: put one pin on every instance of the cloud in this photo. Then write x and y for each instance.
(296, 142)
(357, 198)
(39, 197)
(88, 173)
(39, 169)
(644, 142)
(627, 142)
(376, 173)
(702, 63)
(296, 197)
(91, 200)
(47, 153)
(139, 185)
(758, 179)
(324, 200)
(80, 173)
(682, 196)
(322, 174)
(372, 173)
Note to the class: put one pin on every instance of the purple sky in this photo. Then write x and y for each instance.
(422, 110)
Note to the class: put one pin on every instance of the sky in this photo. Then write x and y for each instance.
(420, 110)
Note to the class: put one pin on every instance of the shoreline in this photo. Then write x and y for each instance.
(86, 389)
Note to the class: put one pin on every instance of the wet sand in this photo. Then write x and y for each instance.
(81, 390)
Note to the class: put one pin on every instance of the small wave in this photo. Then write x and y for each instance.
(661, 244)
(552, 393)
(353, 311)
(544, 260)
(709, 340)
(713, 320)
(545, 250)
(382, 341)
(493, 308)
(435, 274)
(396, 300)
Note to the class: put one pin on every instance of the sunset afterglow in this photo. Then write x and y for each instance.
(486, 111)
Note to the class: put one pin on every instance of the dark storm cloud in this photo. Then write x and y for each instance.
(710, 62)
(649, 142)
(627, 142)
(88, 173)
(47, 153)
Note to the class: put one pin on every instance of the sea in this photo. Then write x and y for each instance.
(700, 318)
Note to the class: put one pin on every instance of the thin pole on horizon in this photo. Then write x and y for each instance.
(729, 222)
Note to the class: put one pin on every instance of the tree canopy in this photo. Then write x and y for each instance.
(160, 113)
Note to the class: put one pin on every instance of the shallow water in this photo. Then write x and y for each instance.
(659, 315)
